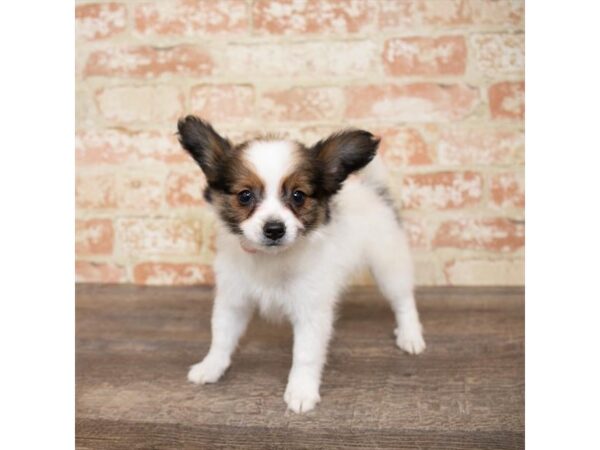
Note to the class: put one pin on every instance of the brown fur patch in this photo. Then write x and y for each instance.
(237, 176)
(315, 209)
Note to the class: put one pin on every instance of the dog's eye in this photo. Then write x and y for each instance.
(298, 198)
(245, 197)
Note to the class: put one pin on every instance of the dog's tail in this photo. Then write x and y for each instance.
(376, 174)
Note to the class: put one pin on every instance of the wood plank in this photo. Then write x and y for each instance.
(99, 434)
(134, 346)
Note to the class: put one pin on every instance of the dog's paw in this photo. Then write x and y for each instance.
(301, 398)
(410, 339)
(207, 371)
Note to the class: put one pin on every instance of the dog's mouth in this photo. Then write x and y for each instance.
(272, 243)
(270, 246)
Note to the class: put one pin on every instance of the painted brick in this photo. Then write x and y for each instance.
(299, 76)
(403, 146)
(499, 54)
(210, 238)
(94, 237)
(446, 55)
(155, 273)
(507, 190)
(190, 17)
(129, 104)
(426, 269)
(406, 14)
(223, 102)
(417, 233)
(185, 188)
(85, 109)
(504, 13)
(507, 100)
(399, 14)
(80, 59)
(237, 134)
(308, 134)
(159, 236)
(140, 190)
(442, 190)
(281, 17)
(301, 59)
(492, 234)
(121, 146)
(95, 272)
(417, 102)
(314, 103)
(425, 274)
(99, 20)
(485, 272)
(95, 191)
(479, 146)
(149, 62)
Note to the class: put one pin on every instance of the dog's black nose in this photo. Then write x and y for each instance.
(274, 229)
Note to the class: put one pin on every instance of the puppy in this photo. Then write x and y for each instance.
(293, 228)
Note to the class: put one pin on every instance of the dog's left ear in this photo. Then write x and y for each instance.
(341, 154)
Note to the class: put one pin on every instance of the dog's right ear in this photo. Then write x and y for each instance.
(209, 149)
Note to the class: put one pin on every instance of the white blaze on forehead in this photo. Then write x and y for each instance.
(272, 161)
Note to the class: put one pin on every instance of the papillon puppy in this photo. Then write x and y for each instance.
(293, 229)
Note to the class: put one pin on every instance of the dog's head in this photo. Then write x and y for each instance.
(269, 191)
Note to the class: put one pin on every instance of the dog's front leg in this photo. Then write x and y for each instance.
(312, 331)
(231, 314)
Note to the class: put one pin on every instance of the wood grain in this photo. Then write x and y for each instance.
(134, 346)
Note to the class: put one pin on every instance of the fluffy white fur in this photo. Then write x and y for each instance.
(302, 280)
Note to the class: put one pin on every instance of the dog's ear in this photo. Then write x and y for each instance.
(209, 149)
(341, 154)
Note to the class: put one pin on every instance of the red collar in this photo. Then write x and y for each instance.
(248, 250)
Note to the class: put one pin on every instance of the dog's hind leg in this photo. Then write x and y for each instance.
(391, 264)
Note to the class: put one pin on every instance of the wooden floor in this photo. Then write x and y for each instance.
(134, 346)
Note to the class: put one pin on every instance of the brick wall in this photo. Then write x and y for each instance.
(440, 80)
